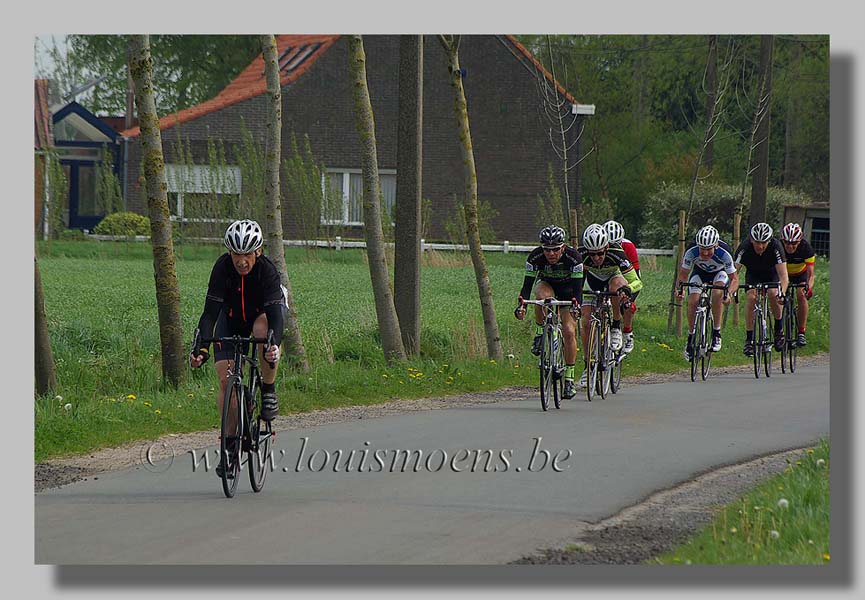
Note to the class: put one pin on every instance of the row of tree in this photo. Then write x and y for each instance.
(400, 332)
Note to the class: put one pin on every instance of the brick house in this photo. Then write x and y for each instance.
(510, 135)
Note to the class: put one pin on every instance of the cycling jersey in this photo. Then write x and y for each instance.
(565, 277)
(242, 298)
(798, 260)
(615, 263)
(631, 252)
(721, 260)
(760, 263)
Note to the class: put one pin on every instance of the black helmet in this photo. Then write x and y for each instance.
(552, 235)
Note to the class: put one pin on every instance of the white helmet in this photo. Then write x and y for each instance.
(595, 237)
(761, 232)
(792, 232)
(707, 237)
(615, 231)
(243, 237)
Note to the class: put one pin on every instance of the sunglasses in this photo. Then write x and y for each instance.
(791, 243)
(598, 253)
(553, 250)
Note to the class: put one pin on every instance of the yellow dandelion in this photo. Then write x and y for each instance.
(733, 530)
(190, 395)
(493, 361)
(401, 381)
(420, 374)
(385, 375)
(148, 404)
(810, 451)
(157, 411)
(826, 556)
(516, 366)
(130, 396)
(643, 350)
(798, 463)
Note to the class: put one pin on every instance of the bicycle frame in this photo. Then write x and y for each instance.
(790, 317)
(599, 355)
(763, 342)
(703, 327)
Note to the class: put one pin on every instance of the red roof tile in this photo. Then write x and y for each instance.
(43, 137)
(251, 81)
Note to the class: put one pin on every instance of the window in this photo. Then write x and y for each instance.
(820, 236)
(192, 189)
(346, 205)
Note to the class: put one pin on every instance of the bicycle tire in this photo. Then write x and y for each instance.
(794, 325)
(616, 375)
(545, 372)
(604, 352)
(231, 460)
(758, 342)
(706, 358)
(559, 370)
(592, 356)
(768, 344)
(261, 442)
(696, 344)
(785, 326)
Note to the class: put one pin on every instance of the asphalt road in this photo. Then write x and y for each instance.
(485, 489)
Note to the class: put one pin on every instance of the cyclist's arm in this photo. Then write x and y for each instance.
(276, 320)
(809, 272)
(528, 282)
(733, 285)
(207, 322)
(683, 277)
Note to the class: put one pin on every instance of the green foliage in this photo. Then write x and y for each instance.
(123, 223)
(58, 197)
(109, 198)
(550, 208)
(714, 204)
(456, 229)
(302, 176)
(184, 78)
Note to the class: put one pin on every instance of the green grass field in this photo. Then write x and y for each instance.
(783, 521)
(101, 309)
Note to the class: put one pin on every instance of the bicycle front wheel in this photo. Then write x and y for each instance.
(791, 341)
(768, 344)
(558, 369)
(785, 349)
(231, 435)
(706, 358)
(616, 372)
(260, 442)
(545, 368)
(697, 345)
(606, 363)
(758, 342)
(593, 357)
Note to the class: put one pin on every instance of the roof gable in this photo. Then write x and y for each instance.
(296, 55)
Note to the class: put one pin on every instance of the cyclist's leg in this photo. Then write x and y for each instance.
(801, 301)
(720, 278)
(269, 402)
(223, 357)
(569, 332)
(616, 338)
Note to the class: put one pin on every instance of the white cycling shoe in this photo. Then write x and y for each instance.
(629, 343)
(615, 339)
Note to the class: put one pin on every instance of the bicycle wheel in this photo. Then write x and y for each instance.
(592, 358)
(616, 374)
(706, 358)
(604, 353)
(768, 344)
(261, 442)
(785, 321)
(697, 345)
(231, 435)
(558, 368)
(545, 368)
(758, 342)
(791, 341)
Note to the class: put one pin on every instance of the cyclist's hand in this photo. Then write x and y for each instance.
(520, 311)
(196, 361)
(808, 293)
(680, 291)
(272, 354)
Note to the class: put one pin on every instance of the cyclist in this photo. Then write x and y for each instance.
(616, 235)
(800, 269)
(558, 270)
(708, 260)
(606, 268)
(763, 257)
(244, 296)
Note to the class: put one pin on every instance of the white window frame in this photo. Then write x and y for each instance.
(195, 179)
(346, 200)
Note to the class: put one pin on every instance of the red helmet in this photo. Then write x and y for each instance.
(791, 232)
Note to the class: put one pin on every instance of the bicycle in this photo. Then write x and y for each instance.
(790, 317)
(242, 429)
(704, 326)
(601, 359)
(551, 363)
(763, 339)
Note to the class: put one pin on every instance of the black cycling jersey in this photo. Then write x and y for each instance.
(760, 263)
(242, 298)
(565, 277)
(798, 260)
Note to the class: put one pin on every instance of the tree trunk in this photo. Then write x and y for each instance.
(46, 381)
(153, 167)
(295, 351)
(792, 157)
(388, 325)
(760, 181)
(491, 327)
(407, 257)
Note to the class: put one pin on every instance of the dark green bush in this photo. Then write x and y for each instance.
(123, 223)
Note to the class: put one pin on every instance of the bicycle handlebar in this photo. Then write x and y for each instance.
(704, 286)
(197, 340)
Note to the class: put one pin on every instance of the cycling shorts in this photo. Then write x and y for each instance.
(699, 276)
(227, 327)
(755, 277)
(563, 291)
